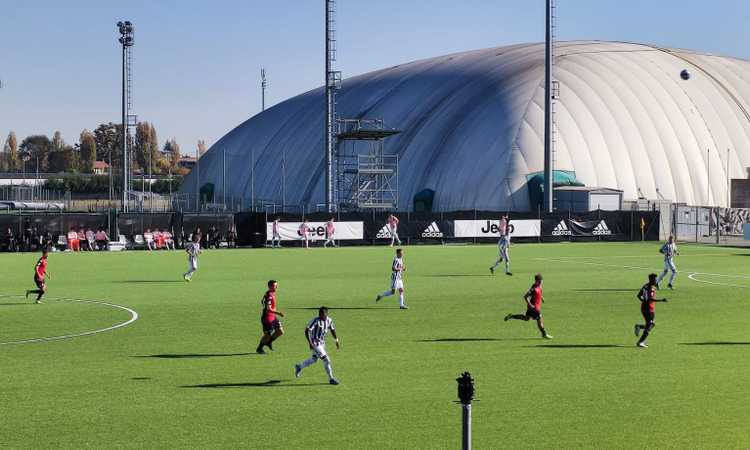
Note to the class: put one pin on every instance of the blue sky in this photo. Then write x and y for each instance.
(197, 64)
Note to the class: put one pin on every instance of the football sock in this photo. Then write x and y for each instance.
(308, 361)
(644, 335)
(497, 263)
(507, 266)
(329, 369)
(517, 316)
(386, 294)
(672, 277)
(401, 299)
(661, 277)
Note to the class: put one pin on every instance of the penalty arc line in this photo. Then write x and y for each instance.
(133, 318)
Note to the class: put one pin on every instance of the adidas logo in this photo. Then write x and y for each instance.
(384, 233)
(561, 229)
(432, 231)
(601, 229)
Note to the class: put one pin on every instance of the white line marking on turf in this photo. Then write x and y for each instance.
(693, 274)
(133, 318)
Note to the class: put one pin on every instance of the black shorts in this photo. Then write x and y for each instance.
(39, 283)
(270, 327)
(534, 314)
(648, 315)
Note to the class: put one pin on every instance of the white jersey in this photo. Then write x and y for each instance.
(317, 329)
(397, 268)
(669, 250)
(193, 249)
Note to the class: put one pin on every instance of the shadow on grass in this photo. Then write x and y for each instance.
(261, 384)
(343, 308)
(715, 343)
(606, 290)
(140, 378)
(476, 339)
(577, 346)
(17, 303)
(149, 281)
(192, 355)
(457, 275)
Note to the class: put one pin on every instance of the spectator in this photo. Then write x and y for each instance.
(73, 244)
(90, 240)
(148, 236)
(158, 238)
(168, 240)
(10, 241)
(232, 236)
(82, 242)
(101, 239)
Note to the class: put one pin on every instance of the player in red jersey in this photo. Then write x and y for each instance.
(272, 329)
(647, 296)
(534, 299)
(40, 272)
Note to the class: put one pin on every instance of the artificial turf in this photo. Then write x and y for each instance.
(185, 374)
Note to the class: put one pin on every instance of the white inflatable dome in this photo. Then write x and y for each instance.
(472, 127)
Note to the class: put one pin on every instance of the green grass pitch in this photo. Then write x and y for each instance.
(185, 375)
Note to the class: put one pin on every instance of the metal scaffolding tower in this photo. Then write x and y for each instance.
(333, 83)
(366, 177)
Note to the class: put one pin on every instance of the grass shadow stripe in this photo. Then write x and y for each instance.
(258, 384)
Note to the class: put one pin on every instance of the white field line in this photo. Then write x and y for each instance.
(133, 318)
(691, 274)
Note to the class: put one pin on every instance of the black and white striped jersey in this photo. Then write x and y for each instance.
(317, 329)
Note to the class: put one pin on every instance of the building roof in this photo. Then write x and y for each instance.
(472, 126)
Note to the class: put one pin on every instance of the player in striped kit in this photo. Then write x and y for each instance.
(315, 333)
(276, 235)
(193, 249)
(393, 229)
(503, 246)
(669, 250)
(397, 280)
(330, 231)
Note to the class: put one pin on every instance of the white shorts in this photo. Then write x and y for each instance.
(669, 264)
(397, 283)
(192, 263)
(319, 351)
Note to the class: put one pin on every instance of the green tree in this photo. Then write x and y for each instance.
(174, 155)
(87, 151)
(142, 145)
(12, 162)
(35, 149)
(62, 157)
(108, 138)
(154, 149)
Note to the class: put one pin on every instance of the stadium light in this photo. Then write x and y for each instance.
(126, 40)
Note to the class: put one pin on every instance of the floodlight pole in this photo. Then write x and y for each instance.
(126, 40)
(331, 79)
(263, 84)
(548, 169)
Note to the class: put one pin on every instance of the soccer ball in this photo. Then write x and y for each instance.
(685, 75)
